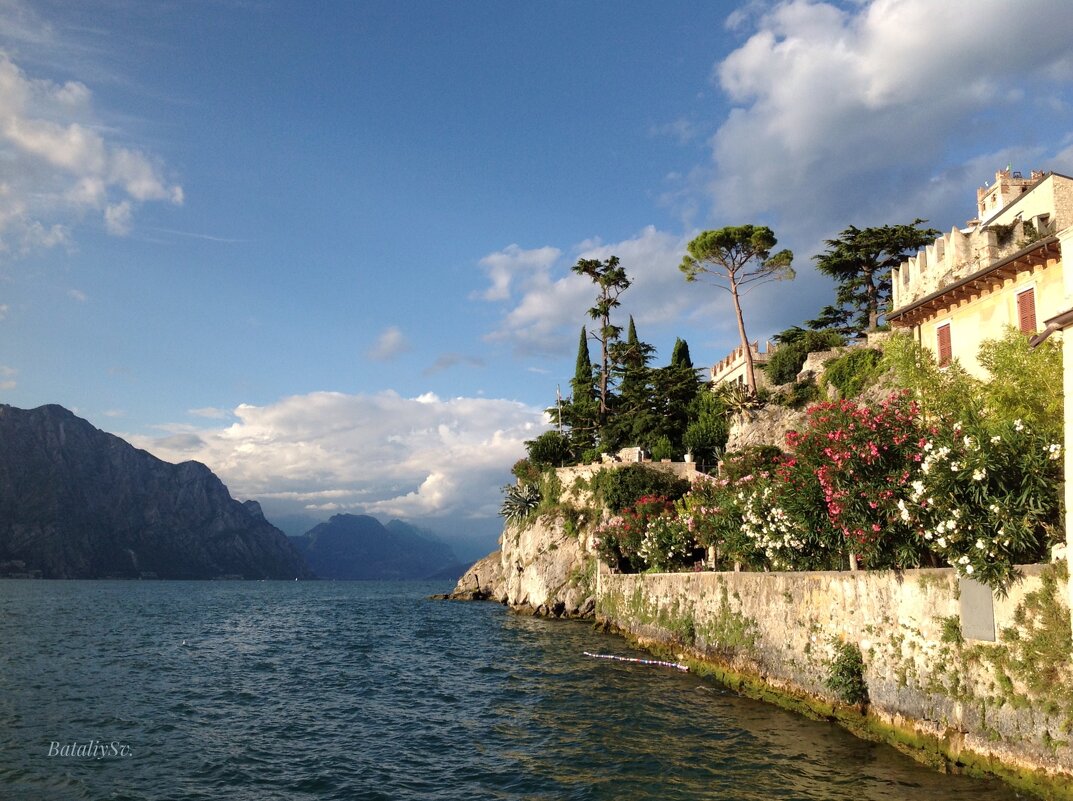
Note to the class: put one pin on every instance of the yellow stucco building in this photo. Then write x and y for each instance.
(1003, 269)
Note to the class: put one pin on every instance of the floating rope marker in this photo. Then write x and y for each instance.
(656, 662)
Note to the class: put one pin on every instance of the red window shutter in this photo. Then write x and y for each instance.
(1026, 311)
(943, 335)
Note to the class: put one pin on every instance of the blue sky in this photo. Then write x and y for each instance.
(325, 247)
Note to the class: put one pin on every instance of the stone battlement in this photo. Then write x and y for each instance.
(1022, 211)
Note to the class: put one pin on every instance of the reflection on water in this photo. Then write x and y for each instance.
(317, 690)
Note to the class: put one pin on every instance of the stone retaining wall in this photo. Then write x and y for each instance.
(1003, 706)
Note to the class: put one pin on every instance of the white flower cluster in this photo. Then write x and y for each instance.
(771, 528)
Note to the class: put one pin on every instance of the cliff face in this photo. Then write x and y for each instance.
(540, 568)
(359, 547)
(76, 502)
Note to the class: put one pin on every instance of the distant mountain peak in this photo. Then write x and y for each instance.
(77, 502)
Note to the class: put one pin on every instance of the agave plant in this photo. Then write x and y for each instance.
(519, 501)
(736, 397)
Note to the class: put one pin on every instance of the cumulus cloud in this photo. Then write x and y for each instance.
(545, 307)
(59, 166)
(391, 343)
(77, 295)
(507, 267)
(7, 377)
(382, 454)
(840, 108)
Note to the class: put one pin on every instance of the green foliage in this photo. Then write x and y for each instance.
(736, 398)
(662, 448)
(611, 279)
(945, 395)
(1038, 648)
(550, 449)
(1025, 383)
(860, 260)
(987, 498)
(519, 502)
(845, 673)
(622, 487)
(737, 258)
(797, 394)
(795, 346)
(853, 371)
(646, 536)
(750, 461)
(951, 630)
(526, 472)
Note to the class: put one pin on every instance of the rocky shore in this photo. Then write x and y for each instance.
(540, 569)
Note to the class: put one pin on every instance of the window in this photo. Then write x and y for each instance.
(1026, 311)
(942, 334)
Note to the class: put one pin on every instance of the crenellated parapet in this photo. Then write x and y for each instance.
(731, 366)
(1016, 212)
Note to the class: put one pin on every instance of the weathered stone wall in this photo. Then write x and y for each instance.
(1004, 707)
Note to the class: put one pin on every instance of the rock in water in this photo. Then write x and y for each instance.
(76, 502)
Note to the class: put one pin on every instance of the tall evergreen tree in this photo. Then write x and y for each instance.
(631, 410)
(612, 281)
(581, 412)
(860, 260)
(680, 354)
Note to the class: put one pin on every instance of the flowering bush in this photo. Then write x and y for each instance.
(714, 513)
(986, 499)
(646, 536)
(857, 461)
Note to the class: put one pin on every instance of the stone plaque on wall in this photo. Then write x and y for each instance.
(977, 610)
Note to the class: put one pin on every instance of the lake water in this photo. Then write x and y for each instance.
(318, 690)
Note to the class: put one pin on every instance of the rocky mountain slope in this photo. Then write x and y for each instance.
(76, 502)
(359, 547)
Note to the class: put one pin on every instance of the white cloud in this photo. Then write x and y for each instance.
(378, 454)
(842, 108)
(77, 295)
(58, 165)
(210, 412)
(550, 304)
(505, 266)
(117, 218)
(391, 343)
(4, 309)
(7, 377)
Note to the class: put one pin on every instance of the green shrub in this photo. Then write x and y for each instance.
(749, 461)
(550, 449)
(662, 448)
(786, 362)
(798, 394)
(1025, 383)
(526, 472)
(845, 673)
(853, 371)
(620, 488)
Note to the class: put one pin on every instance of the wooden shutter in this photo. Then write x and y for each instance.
(1026, 311)
(942, 334)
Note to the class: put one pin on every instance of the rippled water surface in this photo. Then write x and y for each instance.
(317, 690)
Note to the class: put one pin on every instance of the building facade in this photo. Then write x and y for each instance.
(1003, 269)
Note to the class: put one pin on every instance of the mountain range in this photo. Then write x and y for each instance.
(79, 503)
(359, 547)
